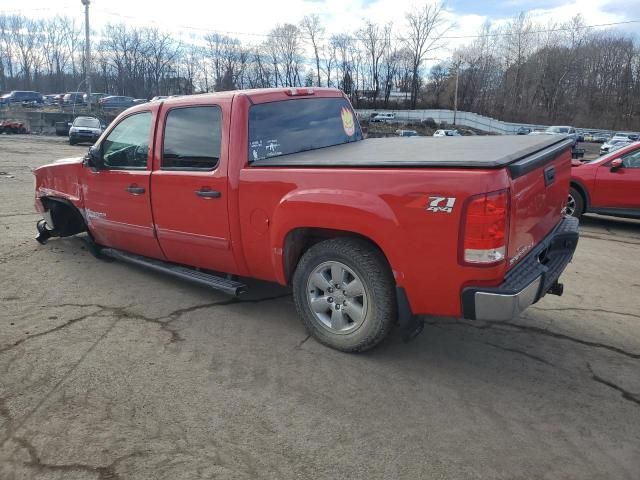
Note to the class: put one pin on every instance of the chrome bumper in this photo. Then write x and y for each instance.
(500, 306)
(530, 280)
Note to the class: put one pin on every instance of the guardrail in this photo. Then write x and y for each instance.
(466, 119)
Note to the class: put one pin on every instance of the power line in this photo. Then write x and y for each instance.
(444, 37)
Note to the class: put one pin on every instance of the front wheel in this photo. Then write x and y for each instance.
(575, 203)
(345, 293)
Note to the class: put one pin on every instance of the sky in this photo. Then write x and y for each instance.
(250, 20)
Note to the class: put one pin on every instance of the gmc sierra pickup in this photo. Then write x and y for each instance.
(279, 185)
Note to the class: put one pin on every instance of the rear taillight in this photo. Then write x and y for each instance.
(485, 229)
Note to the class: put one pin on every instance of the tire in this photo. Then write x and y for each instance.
(575, 203)
(72, 142)
(342, 318)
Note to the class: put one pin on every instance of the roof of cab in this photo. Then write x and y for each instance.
(257, 94)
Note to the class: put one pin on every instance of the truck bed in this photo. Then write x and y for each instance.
(521, 153)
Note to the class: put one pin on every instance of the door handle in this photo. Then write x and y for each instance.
(135, 190)
(208, 193)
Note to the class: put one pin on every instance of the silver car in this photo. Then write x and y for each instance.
(613, 145)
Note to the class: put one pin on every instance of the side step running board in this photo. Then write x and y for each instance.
(230, 287)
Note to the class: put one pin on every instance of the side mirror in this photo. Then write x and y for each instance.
(616, 164)
(94, 158)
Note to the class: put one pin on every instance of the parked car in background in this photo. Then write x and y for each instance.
(383, 117)
(23, 97)
(158, 98)
(73, 98)
(599, 137)
(614, 144)
(51, 99)
(447, 133)
(116, 101)
(608, 185)
(523, 131)
(62, 128)
(407, 133)
(138, 101)
(625, 136)
(563, 130)
(85, 129)
(95, 97)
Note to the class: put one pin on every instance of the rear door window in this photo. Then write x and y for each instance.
(192, 139)
(286, 127)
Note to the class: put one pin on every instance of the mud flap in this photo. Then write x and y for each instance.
(410, 325)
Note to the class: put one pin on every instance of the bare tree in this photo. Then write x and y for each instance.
(285, 48)
(313, 29)
(329, 57)
(425, 29)
(375, 41)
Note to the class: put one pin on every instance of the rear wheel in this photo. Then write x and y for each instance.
(575, 203)
(345, 293)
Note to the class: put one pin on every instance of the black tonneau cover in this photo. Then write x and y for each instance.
(521, 152)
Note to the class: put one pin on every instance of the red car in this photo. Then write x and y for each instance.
(609, 185)
(278, 184)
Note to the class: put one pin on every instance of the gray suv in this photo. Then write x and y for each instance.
(23, 96)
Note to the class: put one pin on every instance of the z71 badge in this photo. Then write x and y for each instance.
(441, 204)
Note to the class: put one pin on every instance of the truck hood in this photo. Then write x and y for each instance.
(60, 162)
(68, 160)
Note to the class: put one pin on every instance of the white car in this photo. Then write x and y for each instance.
(383, 117)
(563, 130)
(446, 133)
(614, 144)
(624, 136)
(85, 129)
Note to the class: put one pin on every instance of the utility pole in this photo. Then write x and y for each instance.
(455, 95)
(87, 45)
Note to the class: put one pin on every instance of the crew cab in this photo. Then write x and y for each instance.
(608, 185)
(279, 185)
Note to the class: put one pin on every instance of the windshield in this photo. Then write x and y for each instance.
(557, 130)
(86, 122)
(282, 128)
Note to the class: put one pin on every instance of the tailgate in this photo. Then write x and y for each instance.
(539, 189)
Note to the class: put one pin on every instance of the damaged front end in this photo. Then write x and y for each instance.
(58, 198)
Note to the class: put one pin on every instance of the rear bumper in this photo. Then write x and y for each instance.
(528, 281)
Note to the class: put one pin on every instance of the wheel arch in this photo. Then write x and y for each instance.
(304, 217)
(579, 186)
(67, 218)
(300, 239)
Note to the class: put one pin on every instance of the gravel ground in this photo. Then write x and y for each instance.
(112, 372)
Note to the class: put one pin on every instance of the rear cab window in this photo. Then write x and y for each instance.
(292, 126)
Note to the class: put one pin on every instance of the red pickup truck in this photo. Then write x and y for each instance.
(279, 185)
